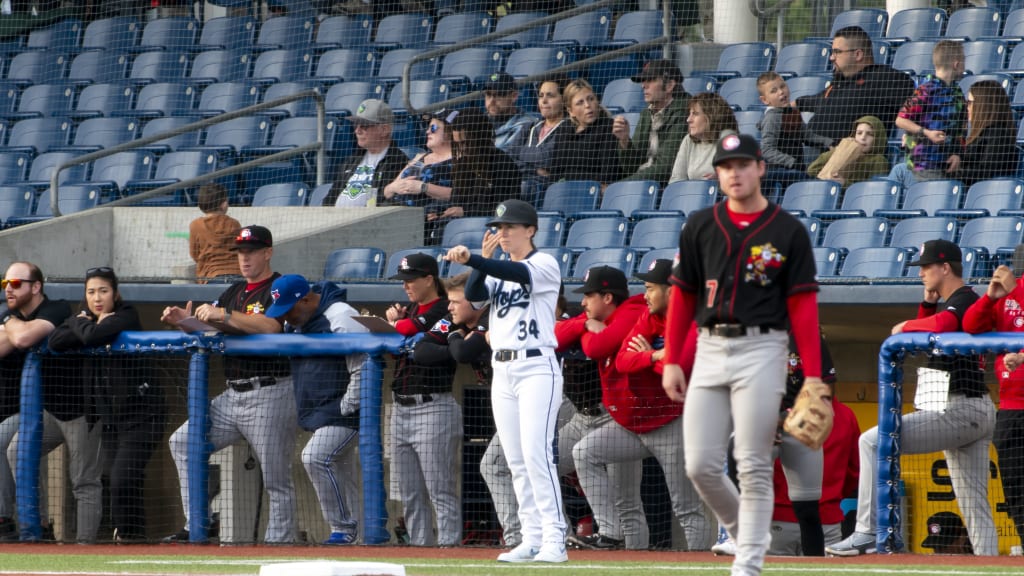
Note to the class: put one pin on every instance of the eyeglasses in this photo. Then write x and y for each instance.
(101, 270)
(14, 283)
(836, 51)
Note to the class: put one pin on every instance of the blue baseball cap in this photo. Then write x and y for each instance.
(286, 291)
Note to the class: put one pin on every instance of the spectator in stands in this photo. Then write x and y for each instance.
(510, 124)
(991, 150)
(327, 398)
(534, 156)
(869, 133)
(783, 133)
(127, 403)
(590, 152)
(212, 236)
(259, 403)
(710, 118)
(935, 120)
(426, 420)
(482, 175)
(361, 179)
(29, 319)
(426, 180)
(859, 88)
(650, 153)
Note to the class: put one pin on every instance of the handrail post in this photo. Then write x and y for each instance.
(198, 447)
(30, 448)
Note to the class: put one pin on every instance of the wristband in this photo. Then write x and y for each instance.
(920, 132)
(423, 188)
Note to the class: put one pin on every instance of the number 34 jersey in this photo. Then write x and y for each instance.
(523, 315)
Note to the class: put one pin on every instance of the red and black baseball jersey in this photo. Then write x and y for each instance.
(744, 276)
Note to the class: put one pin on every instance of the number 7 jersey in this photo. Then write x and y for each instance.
(523, 315)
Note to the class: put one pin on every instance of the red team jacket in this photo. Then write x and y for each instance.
(842, 470)
(1002, 315)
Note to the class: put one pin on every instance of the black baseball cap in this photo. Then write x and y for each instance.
(254, 237)
(416, 266)
(604, 279)
(655, 69)
(736, 146)
(944, 529)
(502, 82)
(658, 272)
(514, 212)
(938, 251)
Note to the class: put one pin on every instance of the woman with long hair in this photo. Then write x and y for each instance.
(710, 118)
(120, 397)
(534, 156)
(590, 151)
(991, 150)
(427, 179)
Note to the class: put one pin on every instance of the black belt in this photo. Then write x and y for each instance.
(509, 355)
(254, 383)
(412, 399)
(736, 330)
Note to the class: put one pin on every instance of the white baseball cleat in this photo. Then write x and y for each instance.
(552, 553)
(726, 547)
(522, 553)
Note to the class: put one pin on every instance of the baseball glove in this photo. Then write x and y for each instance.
(810, 420)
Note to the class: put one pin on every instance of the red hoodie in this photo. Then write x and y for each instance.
(1002, 315)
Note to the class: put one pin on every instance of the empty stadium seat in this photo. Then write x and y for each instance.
(343, 32)
(744, 59)
(687, 196)
(421, 93)
(973, 23)
(15, 201)
(472, 64)
(741, 93)
(13, 166)
(995, 234)
(62, 36)
(697, 84)
(550, 230)
(747, 121)
(989, 198)
(98, 66)
(856, 233)
(112, 173)
(342, 99)
(627, 197)
(344, 64)
(181, 141)
(282, 66)
(925, 198)
(915, 58)
(864, 198)
(622, 258)
(37, 135)
(983, 56)
(571, 196)
(226, 97)
(163, 99)
(536, 60)
(43, 100)
(914, 232)
(347, 263)
(460, 27)
(600, 232)
(231, 136)
(70, 199)
(98, 100)
(175, 167)
(806, 197)
(915, 23)
(213, 66)
(169, 33)
(875, 263)
(285, 32)
(96, 133)
(37, 67)
(804, 58)
(526, 38)
(584, 29)
(159, 67)
(468, 232)
(657, 233)
(623, 95)
(282, 194)
(563, 256)
(44, 165)
(813, 227)
(229, 32)
(872, 20)
(319, 193)
(826, 260)
(118, 33)
(292, 109)
(392, 65)
(807, 86)
(403, 31)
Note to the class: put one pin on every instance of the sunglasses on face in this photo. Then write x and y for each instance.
(433, 128)
(14, 283)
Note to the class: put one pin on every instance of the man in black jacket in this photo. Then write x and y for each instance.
(362, 177)
(859, 88)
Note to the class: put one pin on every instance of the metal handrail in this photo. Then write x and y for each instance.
(663, 41)
(321, 159)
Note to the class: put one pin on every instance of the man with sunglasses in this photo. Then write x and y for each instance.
(259, 403)
(363, 175)
(29, 318)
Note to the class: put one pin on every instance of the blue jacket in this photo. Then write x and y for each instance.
(320, 383)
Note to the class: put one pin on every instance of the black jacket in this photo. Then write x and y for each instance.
(387, 170)
(992, 155)
(592, 154)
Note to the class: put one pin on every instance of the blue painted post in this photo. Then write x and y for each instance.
(30, 445)
(371, 451)
(199, 447)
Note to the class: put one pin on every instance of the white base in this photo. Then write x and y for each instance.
(330, 568)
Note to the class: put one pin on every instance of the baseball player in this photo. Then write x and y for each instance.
(259, 403)
(326, 396)
(963, 430)
(526, 390)
(613, 492)
(1000, 310)
(426, 421)
(644, 422)
(745, 270)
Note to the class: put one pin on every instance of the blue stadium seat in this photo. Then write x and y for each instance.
(973, 23)
(15, 201)
(871, 20)
(563, 256)
(813, 227)
(1004, 80)
(536, 60)
(295, 108)
(346, 263)
(172, 33)
(883, 51)
(744, 59)
(112, 173)
(283, 194)
(43, 166)
(636, 27)
(1015, 64)
(228, 32)
(455, 28)
(319, 193)
(282, 66)
(173, 143)
(623, 95)
(118, 33)
(43, 100)
(392, 65)
(159, 67)
(989, 198)
(688, 196)
(741, 93)
(343, 32)
(916, 23)
(285, 32)
(63, 36)
(597, 233)
(232, 135)
(342, 99)
(527, 38)
(174, 167)
(70, 199)
(421, 93)
(747, 121)
(98, 66)
(925, 198)
(983, 56)
(403, 31)
(914, 58)
(826, 260)
(625, 198)
(550, 230)
(806, 197)
(13, 166)
(656, 233)
(875, 263)
(807, 85)
(804, 58)
(38, 135)
(214, 66)
(584, 29)
(98, 100)
(914, 232)
(395, 258)
(571, 196)
(344, 64)
(473, 64)
(37, 67)
(698, 84)
(225, 97)
(998, 235)
(864, 198)
(163, 99)
(1013, 26)
(856, 233)
(293, 132)
(96, 133)
(622, 258)
(657, 254)
(467, 232)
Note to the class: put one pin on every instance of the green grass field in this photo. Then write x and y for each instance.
(147, 565)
